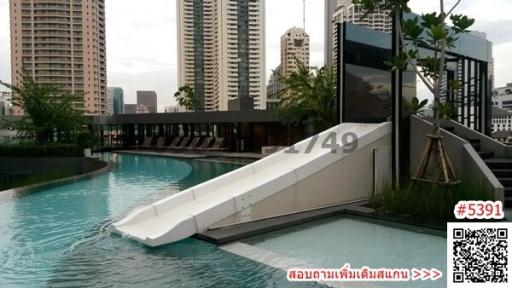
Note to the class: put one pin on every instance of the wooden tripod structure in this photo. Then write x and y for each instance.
(435, 149)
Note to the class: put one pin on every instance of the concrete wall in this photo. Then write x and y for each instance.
(347, 180)
(487, 143)
(36, 166)
(467, 163)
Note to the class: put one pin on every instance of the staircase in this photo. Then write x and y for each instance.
(501, 168)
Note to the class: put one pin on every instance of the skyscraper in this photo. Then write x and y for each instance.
(147, 99)
(115, 100)
(221, 52)
(61, 42)
(338, 11)
(294, 46)
(330, 7)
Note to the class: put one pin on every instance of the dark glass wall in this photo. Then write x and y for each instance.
(366, 93)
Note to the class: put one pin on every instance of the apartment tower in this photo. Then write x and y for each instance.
(294, 48)
(339, 11)
(148, 99)
(221, 52)
(61, 42)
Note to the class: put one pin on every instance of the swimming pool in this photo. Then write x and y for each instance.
(58, 237)
(333, 242)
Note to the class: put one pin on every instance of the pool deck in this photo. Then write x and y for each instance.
(193, 155)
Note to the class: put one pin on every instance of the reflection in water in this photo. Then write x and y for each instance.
(57, 237)
(189, 263)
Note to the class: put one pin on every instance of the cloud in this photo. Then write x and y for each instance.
(495, 30)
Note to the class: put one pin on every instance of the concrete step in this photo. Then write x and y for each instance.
(449, 129)
(506, 182)
(508, 192)
(477, 146)
(502, 173)
(498, 163)
(474, 141)
(486, 154)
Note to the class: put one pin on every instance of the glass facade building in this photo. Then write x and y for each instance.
(369, 92)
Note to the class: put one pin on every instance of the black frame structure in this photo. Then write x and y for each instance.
(369, 92)
(243, 131)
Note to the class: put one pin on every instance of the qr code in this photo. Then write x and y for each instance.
(478, 254)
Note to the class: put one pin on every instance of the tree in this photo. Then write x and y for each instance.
(47, 111)
(186, 97)
(309, 95)
(430, 31)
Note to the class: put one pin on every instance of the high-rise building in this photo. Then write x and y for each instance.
(130, 109)
(330, 7)
(5, 103)
(221, 52)
(147, 99)
(274, 89)
(338, 11)
(61, 42)
(502, 97)
(171, 109)
(294, 48)
(115, 100)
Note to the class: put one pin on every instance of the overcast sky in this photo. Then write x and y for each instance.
(142, 41)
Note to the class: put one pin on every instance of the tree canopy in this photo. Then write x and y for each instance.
(47, 111)
(309, 95)
(186, 97)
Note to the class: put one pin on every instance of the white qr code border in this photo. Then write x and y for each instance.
(476, 226)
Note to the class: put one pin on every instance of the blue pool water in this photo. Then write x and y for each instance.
(59, 237)
(359, 242)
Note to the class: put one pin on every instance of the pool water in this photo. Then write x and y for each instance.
(59, 237)
(332, 242)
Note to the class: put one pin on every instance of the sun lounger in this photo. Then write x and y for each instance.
(205, 144)
(193, 144)
(160, 143)
(175, 142)
(216, 145)
(146, 144)
(183, 143)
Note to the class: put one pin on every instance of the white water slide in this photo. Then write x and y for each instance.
(196, 209)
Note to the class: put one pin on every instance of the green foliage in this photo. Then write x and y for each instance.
(33, 150)
(310, 95)
(461, 23)
(47, 111)
(416, 107)
(428, 202)
(432, 32)
(186, 97)
(448, 111)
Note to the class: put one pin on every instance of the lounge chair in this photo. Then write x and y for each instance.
(160, 143)
(205, 144)
(146, 144)
(216, 145)
(183, 143)
(193, 144)
(175, 142)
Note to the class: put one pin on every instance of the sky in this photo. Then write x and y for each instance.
(142, 40)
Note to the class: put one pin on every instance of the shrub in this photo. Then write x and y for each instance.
(31, 150)
(427, 201)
